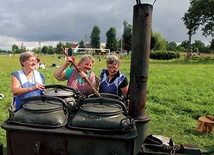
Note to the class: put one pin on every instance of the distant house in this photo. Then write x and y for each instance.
(75, 47)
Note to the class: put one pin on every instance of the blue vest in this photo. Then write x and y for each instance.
(20, 75)
(106, 87)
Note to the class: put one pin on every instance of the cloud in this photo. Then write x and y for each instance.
(48, 21)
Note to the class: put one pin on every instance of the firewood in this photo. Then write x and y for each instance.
(206, 124)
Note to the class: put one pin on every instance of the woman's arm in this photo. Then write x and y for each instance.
(60, 73)
(17, 90)
(124, 91)
(124, 87)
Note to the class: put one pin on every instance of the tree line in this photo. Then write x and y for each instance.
(157, 43)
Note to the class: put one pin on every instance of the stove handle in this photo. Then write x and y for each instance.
(36, 148)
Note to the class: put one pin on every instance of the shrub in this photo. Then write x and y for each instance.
(164, 55)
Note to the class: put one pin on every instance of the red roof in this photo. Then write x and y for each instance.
(74, 45)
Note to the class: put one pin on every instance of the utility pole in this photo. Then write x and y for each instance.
(40, 49)
(85, 40)
(121, 46)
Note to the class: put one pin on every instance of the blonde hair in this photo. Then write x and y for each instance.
(87, 57)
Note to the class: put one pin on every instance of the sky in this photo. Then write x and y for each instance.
(49, 22)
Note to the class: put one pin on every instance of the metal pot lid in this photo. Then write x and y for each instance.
(105, 95)
(101, 108)
(42, 106)
(58, 93)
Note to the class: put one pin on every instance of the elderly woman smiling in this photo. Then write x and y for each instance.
(27, 81)
(112, 80)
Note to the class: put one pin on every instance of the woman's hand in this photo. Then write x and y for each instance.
(38, 86)
(82, 75)
(69, 60)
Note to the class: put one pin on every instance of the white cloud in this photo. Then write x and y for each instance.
(48, 21)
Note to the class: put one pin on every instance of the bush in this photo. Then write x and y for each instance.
(164, 55)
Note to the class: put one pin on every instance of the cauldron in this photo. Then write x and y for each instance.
(111, 96)
(41, 111)
(70, 95)
(101, 114)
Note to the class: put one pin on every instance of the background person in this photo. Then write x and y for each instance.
(53, 65)
(27, 81)
(42, 66)
(112, 80)
(37, 62)
(59, 58)
(76, 78)
(99, 58)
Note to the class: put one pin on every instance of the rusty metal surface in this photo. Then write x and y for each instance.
(141, 38)
(63, 141)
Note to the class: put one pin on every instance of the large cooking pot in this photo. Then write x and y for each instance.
(101, 114)
(41, 111)
(70, 95)
(110, 96)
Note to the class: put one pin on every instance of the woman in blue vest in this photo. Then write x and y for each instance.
(112, 80)
(27, 81)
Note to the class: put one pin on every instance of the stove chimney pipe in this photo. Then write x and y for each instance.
(141, 38)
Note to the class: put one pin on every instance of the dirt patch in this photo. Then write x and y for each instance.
(201, 54)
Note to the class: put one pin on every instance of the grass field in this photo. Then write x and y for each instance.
(178, 93)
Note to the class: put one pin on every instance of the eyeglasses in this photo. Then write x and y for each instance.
(112, 67)
(31, 61)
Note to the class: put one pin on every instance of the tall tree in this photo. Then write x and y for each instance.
(95, 37)
(192, 26)
(160, 43)
(58, 47)
(111, 42)
(127, 36)
(171, 46)
(212, 45)
(81, 44)
(180, 48)
(15, 48)
(68, 45)
(50, 50)
(185, 44)
(200, 13)
(45, 49)
(119, 43)
(198, 45)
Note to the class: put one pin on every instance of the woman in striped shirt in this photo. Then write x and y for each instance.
(76, 78)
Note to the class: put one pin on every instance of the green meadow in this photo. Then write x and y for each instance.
(178, 93)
